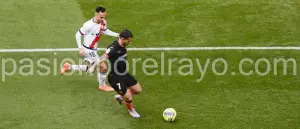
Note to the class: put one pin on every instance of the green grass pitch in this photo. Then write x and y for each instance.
(227, 101)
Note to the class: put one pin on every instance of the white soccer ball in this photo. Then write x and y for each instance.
(169, 114)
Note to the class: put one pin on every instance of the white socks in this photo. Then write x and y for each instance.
(78, 67)
(101, 78)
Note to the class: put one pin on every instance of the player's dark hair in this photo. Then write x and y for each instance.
(100, 9)
(126, 34)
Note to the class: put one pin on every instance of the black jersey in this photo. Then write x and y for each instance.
(116, 54)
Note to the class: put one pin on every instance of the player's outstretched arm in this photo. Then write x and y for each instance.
(110, 33)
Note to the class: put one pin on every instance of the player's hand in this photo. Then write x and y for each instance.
(81, 52)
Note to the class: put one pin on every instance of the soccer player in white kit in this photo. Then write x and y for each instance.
(92, 31)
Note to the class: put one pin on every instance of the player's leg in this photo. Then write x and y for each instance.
(135, 89)
(127, 97)
(132, 84)
(68, 67)
(132, 90)
(89, 56)
(101, 76)
(124, 94)
(129, 104)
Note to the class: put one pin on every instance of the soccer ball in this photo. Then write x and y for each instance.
(169, 114)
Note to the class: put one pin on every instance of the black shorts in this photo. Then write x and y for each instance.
(120, 83)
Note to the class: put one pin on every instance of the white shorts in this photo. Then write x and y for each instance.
(90, 55)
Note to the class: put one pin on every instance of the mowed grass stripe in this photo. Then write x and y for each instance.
(231, 101)
(39, 23)
(41, 102)
(154, 49)
(193, 23)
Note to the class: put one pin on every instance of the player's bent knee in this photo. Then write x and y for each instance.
(103, 67)
(103, 70)
(138, 91)
(127, 96)
(137, 88)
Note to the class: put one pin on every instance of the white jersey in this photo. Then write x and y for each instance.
(92, 32)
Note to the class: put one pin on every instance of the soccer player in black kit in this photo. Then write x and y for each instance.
(122, 82)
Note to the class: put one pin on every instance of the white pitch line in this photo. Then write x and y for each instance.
(154, 49)
(213, 48)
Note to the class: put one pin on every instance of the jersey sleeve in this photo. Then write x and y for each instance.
(105, 25)
(85, 29)
(110, 53)
(105, 28)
